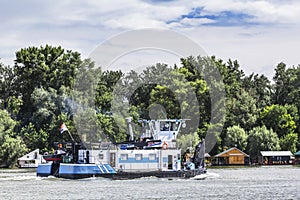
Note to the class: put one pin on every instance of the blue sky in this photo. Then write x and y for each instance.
(259, 34)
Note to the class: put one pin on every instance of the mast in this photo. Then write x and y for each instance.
(71, 136)
(199, 155)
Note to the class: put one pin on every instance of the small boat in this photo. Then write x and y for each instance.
(154, 154)
(30, 160)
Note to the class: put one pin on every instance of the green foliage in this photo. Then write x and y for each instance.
(34, 139)
(11, 146)
(262, 139)
(45, 67)
(289, 142)
(282, 79)
(7, 125)
(48, 68)
(277, 118)
(242, 110)
(236, 136)
(164, 97)
(10, 150)
(187, 141)
(203, 75)
(114, 128)
(105, 89)
(48, 86)
(8, 89)
(260, 88)
(87, 125)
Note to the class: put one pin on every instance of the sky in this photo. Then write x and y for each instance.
(259, 34)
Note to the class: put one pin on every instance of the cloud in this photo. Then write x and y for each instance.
(242, 13)
(228, 28)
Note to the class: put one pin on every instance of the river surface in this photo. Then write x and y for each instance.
(266, 182)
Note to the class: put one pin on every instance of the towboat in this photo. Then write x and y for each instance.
(154, 154)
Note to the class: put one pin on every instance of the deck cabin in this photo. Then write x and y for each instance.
(276, 157)
(142, 160)
(129, 160)
(232, 156)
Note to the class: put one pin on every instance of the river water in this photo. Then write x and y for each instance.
(266, 182)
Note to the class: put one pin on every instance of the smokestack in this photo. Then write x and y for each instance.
(130, 128)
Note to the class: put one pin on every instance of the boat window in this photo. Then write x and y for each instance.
(101, 156)
(164, 126)
(124, 157)
(152, 156)
(138, 156)
(174, 126)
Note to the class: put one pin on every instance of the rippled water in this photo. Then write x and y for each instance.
(268, 182)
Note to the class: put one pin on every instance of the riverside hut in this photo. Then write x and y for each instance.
(232, 156)
(297, 157)
(276, 157)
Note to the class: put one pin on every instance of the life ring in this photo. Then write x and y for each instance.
(165, 145)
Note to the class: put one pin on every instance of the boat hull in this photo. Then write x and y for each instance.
(182, 174)
(79, 171)
(44, 169)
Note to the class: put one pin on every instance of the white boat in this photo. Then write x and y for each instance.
(31, 160)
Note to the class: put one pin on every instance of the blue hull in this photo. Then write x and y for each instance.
(44, 169)
(75, 171)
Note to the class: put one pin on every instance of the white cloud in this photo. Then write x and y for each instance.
(194, 22)
(264, 11)
(82, 25)
(258, 49)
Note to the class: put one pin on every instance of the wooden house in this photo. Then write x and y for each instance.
(232, 156)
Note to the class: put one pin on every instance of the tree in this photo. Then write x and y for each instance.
(289, 142)
(8, 99)
(232, 77)
(286, 88)
(7, 124)
(105, 89)
(6, 85)
(205, 76)
(34, 139)
(157, 86)
(242, 111)
(113, 128)
(260, 88)
(187, 141)
(11, 146)
(262, 139)
(277, 118)
(11, 150)
(282, 85)
(44, 67)
(236, 136)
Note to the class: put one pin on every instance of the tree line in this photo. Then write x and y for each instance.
(38, 91)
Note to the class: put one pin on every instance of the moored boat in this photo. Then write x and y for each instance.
(31, 159)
